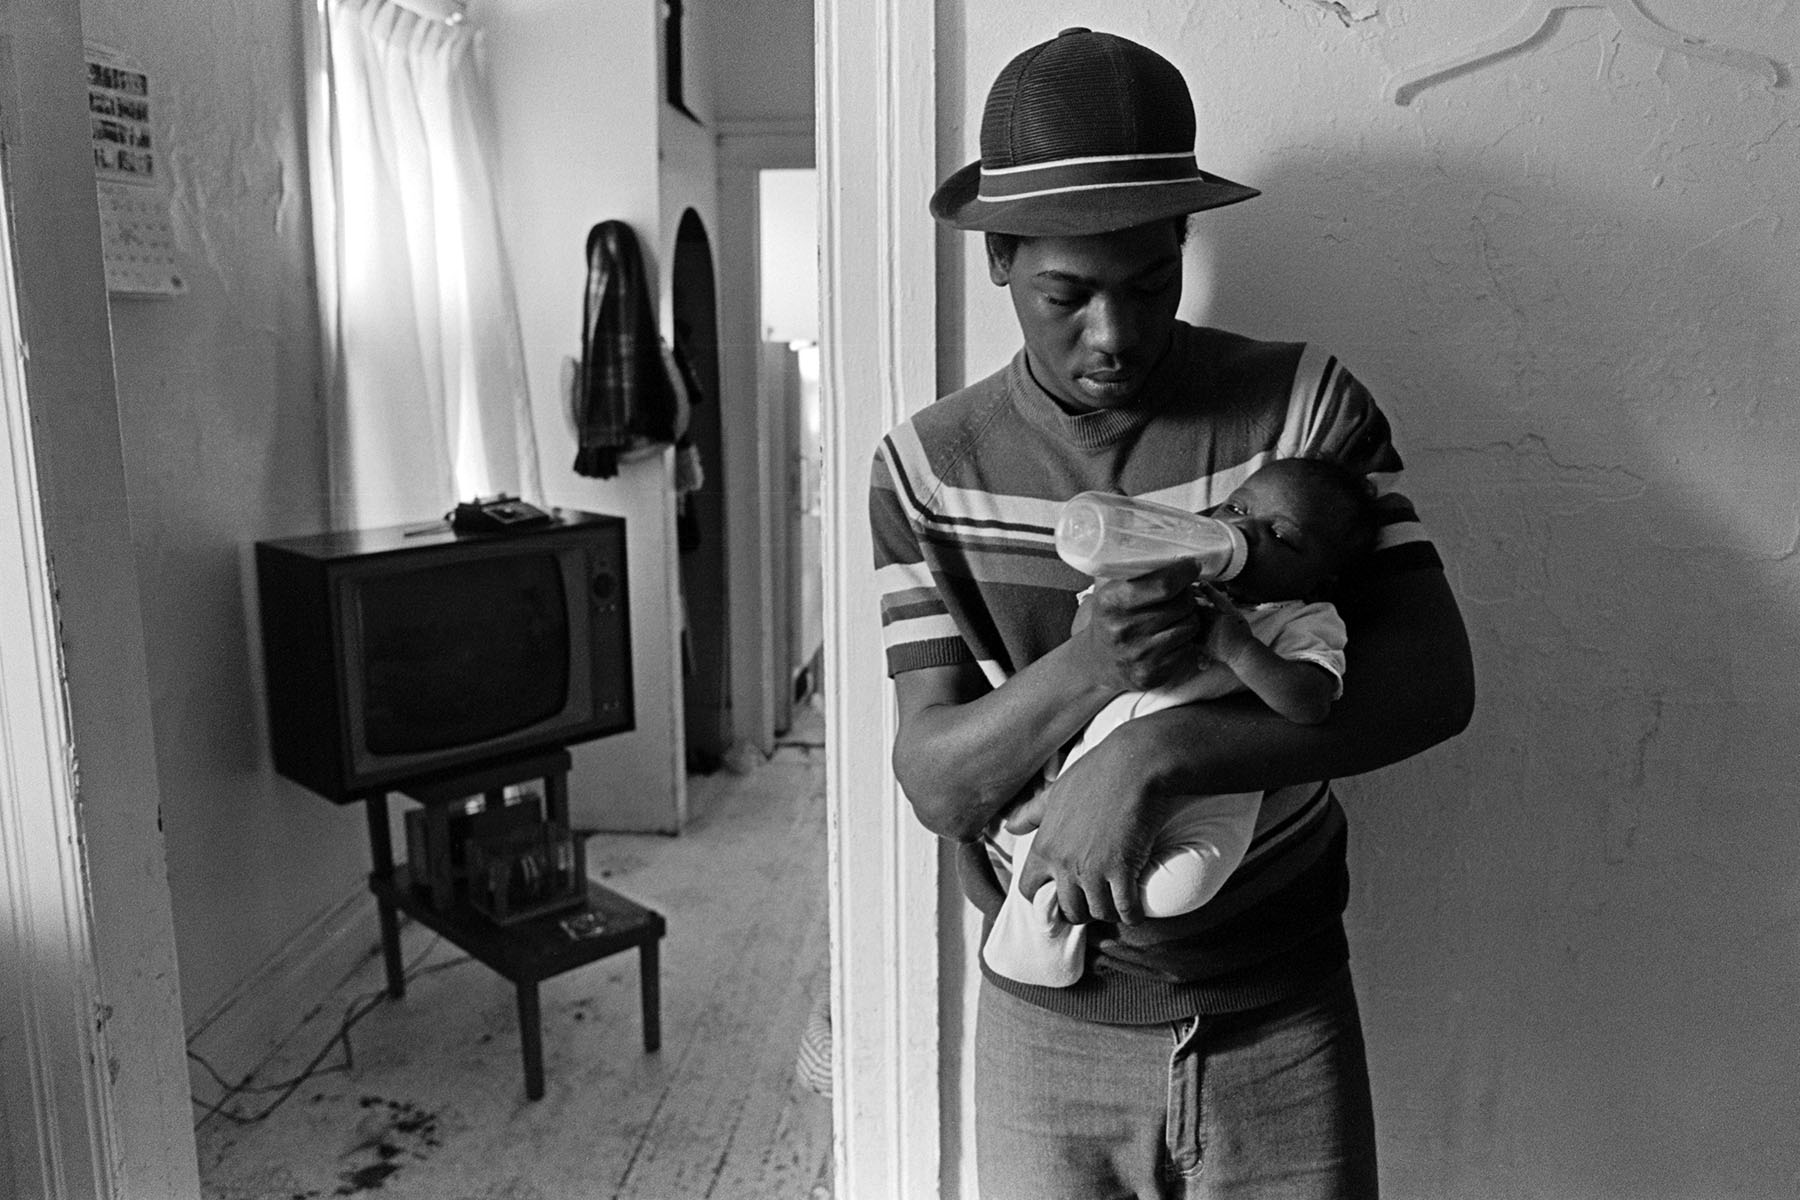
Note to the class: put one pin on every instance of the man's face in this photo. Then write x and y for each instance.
(1096, 311)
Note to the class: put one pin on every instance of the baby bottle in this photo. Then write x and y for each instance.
(1118, 537)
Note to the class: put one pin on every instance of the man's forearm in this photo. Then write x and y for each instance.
(1296, 689)
(964, 750)
(1409, 685)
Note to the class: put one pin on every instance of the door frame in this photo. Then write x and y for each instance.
(878, 337)
(49, 976)
(93, 1081)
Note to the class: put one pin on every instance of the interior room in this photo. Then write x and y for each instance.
(1552, 238)
(622, 113)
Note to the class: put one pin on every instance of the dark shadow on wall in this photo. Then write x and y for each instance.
(1574, 926)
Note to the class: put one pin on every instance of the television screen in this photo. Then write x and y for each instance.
(462, 653)
(400, 654)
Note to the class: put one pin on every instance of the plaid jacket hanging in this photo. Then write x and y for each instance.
(622, 391)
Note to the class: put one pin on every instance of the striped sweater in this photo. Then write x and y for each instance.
(963, 502)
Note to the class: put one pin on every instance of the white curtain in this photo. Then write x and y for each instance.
(425, 373)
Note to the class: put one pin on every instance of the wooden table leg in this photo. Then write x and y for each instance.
(381, 854)
(436, 871)
(650, 985)
(556, 798)
(531, 1040)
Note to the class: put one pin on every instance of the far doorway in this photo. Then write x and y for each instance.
(700, 511)
(788, 266)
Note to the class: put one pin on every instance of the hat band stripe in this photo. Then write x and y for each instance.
(1086, 187)
(1174, 155)
(1069, 176)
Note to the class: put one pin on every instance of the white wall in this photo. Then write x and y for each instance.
(585, 137)
(578, 95)
(761, 62)
(789, 240)
(1569, 278)
(223, 445)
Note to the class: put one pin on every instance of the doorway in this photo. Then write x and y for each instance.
(787, 272)
(700, 502)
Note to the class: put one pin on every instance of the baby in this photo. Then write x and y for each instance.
(1303, 520)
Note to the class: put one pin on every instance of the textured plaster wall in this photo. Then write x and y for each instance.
(1570, 277)
(224, 444)
(6, 1139)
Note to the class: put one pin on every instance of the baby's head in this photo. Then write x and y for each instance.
(1305, 520)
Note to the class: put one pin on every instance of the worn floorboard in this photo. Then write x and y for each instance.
(434, 1105)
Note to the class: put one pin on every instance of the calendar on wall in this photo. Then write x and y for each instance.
(137, 238)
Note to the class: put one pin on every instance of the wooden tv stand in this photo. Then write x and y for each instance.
(530, 951)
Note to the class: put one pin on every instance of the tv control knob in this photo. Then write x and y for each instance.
(603, 586)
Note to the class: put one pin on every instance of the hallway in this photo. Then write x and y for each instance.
(431, 1104)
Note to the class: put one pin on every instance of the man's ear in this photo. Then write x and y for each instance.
(999, 260)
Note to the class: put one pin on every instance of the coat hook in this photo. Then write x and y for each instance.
(1538, 17)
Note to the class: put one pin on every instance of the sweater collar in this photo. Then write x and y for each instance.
(1101, 427)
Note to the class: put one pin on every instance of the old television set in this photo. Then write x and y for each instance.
(400, 654)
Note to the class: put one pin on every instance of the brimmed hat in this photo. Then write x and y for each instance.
(1085, 133)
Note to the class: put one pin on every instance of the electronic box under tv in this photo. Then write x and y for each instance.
(394, 655)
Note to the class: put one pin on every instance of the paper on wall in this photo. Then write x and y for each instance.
(137, 238)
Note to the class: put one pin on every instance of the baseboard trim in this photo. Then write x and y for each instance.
(241, 1031)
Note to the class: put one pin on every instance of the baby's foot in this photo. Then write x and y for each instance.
(1030, 941)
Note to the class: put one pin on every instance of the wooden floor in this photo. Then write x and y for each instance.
(434, 1105)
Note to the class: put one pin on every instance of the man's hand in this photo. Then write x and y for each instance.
(1026, 815)
(966, 749)
(1097, 823)
(1142, 633)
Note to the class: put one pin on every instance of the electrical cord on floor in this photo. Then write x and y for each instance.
(355, 1011)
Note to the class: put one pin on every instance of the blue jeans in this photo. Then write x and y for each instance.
(1272, 1103)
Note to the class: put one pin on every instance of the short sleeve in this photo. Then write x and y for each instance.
(917, 628)
(1344, 424)
(1314, 634)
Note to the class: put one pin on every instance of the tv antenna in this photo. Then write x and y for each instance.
(1539, 17)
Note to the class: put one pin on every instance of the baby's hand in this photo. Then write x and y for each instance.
(1084, 612)
(1227, 632)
